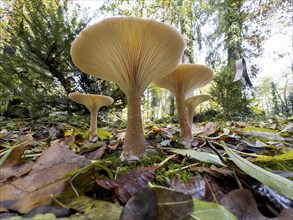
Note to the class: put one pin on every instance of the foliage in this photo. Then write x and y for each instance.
(229, 95)
(36, 55)
(226, 30)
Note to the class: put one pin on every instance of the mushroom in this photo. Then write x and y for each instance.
(181, 82)
(93, 103)
(131, 52)
(192, 102)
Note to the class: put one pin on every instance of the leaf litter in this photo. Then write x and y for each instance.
(59, 167)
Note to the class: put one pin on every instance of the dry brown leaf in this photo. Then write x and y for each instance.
(198, 188)
(35, 189)
(126, 186)
(14, 165)
(16, 154)
(97, 153)
(157, 203)
(195, 187)
(113, 146)
(243, 205)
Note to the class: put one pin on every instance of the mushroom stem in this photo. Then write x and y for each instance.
(190, 111)
(93, 124)
(183, 120)
(134, 143)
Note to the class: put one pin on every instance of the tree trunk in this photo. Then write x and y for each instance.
(134, 143)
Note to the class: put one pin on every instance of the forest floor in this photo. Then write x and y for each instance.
(234, 170)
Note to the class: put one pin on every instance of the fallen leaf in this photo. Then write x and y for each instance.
(273, 181)
(14, 153)
(103, 134)
(140, 208)
(171, 204)
(207, 210)
(95, 209)
(278, 200)
(126, 186)
(196, 186)
(243, 205)
(113, 146)
(35, 189)
(96, 154)
(201, 156)
(210, 128)
(157, 203)
(267, 135)
(121, 136)
(12, 163)
(55, 210)
(288, 128)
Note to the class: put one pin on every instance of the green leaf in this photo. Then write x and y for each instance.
(208, 210)
(201, 156)
(273, 181)
(95, 209)
(103, 134)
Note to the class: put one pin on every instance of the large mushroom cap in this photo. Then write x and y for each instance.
(130, 51)
(196, 100)
(186, 78)
(92, 102)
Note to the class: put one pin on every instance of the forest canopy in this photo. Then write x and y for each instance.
(36, 67)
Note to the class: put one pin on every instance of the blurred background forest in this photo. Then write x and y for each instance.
(37, 74)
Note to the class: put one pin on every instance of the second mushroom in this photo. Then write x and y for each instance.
(181, 82)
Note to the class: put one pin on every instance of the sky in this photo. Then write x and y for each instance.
(277, 43)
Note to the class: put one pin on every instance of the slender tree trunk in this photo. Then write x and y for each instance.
(134, 143)
(183, 121)
(93, 125)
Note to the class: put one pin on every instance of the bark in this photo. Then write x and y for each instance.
(183, 121)
(134, 143)
(93, 125)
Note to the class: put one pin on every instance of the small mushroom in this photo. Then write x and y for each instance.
(192, 102)
(93, 103)
(181, 82)
(131, 52)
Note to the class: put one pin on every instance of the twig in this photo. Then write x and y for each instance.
(57, 201)
(71, 184)
(215, 150)
(237, 180)
(210, 188)
(164, 161)
(182, 168)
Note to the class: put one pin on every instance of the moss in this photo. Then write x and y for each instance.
(259, 129)
(151, 158)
